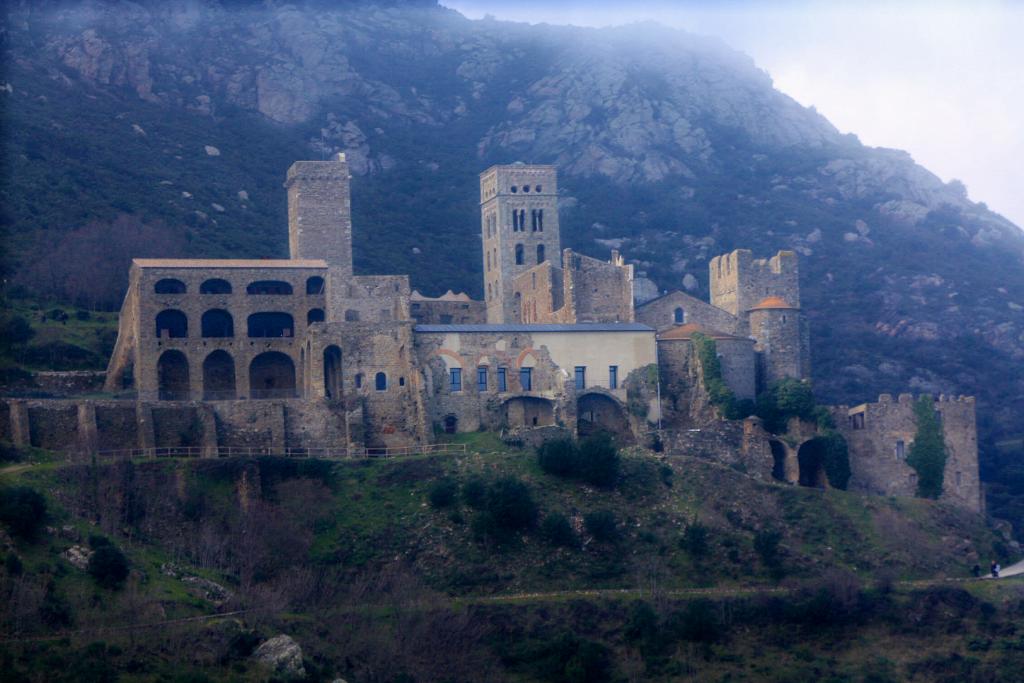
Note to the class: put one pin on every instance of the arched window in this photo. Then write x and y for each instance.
(271, 325)
(380, 381)
(540, 253)
(332, 372)
(169, 286)
(172, 376)
(218, 323)
(272, 375)
(268, 287)
(315, 285)
(533, 220)
(215, 286)
(515, 220)
(519, 254)
(219, 376)
(315, 315)
(540, 220)
(172, 324)
(679, 315)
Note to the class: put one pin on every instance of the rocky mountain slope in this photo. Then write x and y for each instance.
(671, 147)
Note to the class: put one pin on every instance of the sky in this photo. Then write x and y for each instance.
(943, 80)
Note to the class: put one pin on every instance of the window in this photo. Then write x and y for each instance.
(526, 188)
(171, 323)
(169, 286)
(359, 381)
(959, 479)
(315, 315)
(857, 421)
(581, 377)
(613, 376)
(502, 379)
(481, 378)
(217, 323)
(679, 316)
(380, 382)
(514, 189)
(519, 254)
(455, 379)
(446, 319)
(901, 450)
(271, 325)
(533, 220)
(215, 286)
(540, 220)
(537, 189)
(351, 316)
(266, 287)
(540, 253)
(526, 378)
(401, 381)
(488, 261)
(315, 285)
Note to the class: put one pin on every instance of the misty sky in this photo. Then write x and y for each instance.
(943, 80)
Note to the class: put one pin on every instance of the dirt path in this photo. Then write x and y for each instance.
(14, 469)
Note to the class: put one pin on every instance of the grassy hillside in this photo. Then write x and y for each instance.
(683, 569)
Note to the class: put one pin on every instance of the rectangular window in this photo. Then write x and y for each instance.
(526, 378)
(901, 450)
(481, 378)
(613, 376)
(581, 377)
(455, 379)
(857, 420)
(502, 381)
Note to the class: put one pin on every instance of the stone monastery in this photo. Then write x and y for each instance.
(301, 354)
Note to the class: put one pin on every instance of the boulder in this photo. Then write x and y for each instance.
(282, 655)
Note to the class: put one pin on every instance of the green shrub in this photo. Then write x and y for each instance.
(928, 452)
(602, 525)
(560, 457)
(695, 541)
(474, 493)
(699, 622)
(511, 503)
(108, 567)
(23, 511)
(556, 530)
(9, 453)
(594, 460)
(444, 493)
(766, 545)
(836, 459)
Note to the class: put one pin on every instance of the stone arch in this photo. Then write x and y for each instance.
(451, 423)
(315, 285)
(380, 381)
(217, 323)
(811, 458)
(271, 324)
(268, 287)
(169, 285)
(219, 376)
(215, 286)
(778, 461)
(315, 315)
(332, 372)
(172, 376)
(596, 412)
(171, 323)
(529, 411)
(272, 375)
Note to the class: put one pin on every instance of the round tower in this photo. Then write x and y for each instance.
(778, 332)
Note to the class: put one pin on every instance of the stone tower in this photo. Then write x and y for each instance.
(320, 213)
(739, 281)
(519, 221)
(781, 341)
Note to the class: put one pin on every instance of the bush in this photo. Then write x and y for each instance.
(560, 458)
(15, 331)
(695, 541)
(108, 567)
(444, 493)
(474, 493)
(510, 503)
(9, 453)
(928, 452)
(556, 530)
(602, 525)
(766, 544)
(699, 622)
(23, 511)
(595, 460)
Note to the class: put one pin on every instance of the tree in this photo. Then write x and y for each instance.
(108, 566)
(928, 452)
(23, 510)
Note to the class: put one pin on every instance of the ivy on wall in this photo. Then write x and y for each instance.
(928, 452)
(719, 393)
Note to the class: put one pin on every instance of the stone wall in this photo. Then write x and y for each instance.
(739, 282)
(52, 424)
(69, 383)
(780, 345)
(117, 426)
(600, 291)
(880, 435)
(451, 309)
(660, 314)
(741, 444)
(320, 212)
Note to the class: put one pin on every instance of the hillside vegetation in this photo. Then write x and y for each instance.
(376, 567)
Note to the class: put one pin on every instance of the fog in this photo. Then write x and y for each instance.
(942, 80)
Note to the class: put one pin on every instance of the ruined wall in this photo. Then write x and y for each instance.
(52, 425)
(660, 314)
(739, 282)
(600, 291)
(538, 296)
(69, 383)
(880, 436)
(368, 298)
(117, 426)
(428, 311)
(741, 444)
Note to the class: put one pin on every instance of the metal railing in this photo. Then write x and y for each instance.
(326, 453)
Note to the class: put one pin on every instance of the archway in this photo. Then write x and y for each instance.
(451, 424)
(171, 324)
(315, 315)
(600, 413)
(778, 461)
(172, 376)
(215, 286)
(219, 376)
(529, 411)
(267, 324)
(332, 372)
(169, 286)
(217, 323)
(315, 285)
(272, 375)
(811, 457)
(268, 287)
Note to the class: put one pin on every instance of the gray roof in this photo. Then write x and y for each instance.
(579, 327)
